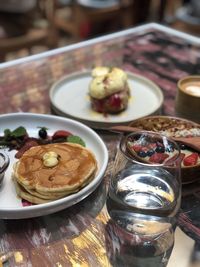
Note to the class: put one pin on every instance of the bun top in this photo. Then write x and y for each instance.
(107, 81)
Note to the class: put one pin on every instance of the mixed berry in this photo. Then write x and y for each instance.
(19, 139)
(157, 153)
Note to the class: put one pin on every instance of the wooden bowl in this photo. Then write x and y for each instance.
(174, 126)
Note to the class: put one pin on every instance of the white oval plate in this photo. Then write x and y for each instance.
(10, 205)
(69, 97)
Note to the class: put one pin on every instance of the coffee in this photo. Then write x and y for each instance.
(191, 88)
(187, 102)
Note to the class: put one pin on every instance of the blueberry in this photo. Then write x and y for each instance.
(42, 133)
(150, 152)
(142, 154)
(169, 148)
(182, 146)
(160, 149)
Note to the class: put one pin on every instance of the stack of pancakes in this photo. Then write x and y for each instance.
(39, 184)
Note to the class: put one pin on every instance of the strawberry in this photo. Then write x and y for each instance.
(61, 134)
(145, 148)
(191, 160)
(152, 146)
(158, 157)
(137, 148)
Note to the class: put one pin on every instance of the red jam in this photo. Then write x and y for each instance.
(115, 100)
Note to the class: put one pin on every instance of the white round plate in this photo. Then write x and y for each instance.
(10, 205)
(69, 97)
(98, 3)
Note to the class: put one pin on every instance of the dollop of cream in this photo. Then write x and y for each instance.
(100, 71)
(107, 81)
(50, 159)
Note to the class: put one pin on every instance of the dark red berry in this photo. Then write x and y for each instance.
(158, 157)
(61, 134)
(137, 148)
(115, 100)
(191, 160)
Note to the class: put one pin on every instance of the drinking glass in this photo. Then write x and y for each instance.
(144, 198)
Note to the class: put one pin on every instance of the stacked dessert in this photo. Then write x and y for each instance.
(109, 90)
(49, 172)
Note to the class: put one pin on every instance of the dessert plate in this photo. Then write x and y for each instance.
(10, 205)
(69, 97)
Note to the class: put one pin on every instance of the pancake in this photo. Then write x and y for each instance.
(36, 198)
(75, 168)
(47, 196)
(22, 193)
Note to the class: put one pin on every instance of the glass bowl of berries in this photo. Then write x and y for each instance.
(176, 127)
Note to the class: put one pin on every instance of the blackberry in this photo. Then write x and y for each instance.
(182, 146)
(42, 133)
(160, 149)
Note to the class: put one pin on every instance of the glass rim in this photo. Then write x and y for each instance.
(124, 138)
(6, 162)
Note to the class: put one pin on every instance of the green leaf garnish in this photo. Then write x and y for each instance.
(76, 140)
(18, 132)
(13, 139)
(7, 132)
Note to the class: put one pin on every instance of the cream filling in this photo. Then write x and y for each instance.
(107, 82)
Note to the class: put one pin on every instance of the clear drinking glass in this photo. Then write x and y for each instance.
(144, 198)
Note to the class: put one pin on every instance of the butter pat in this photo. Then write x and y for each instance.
(50, 159)
(50, 154)
(18, 257)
